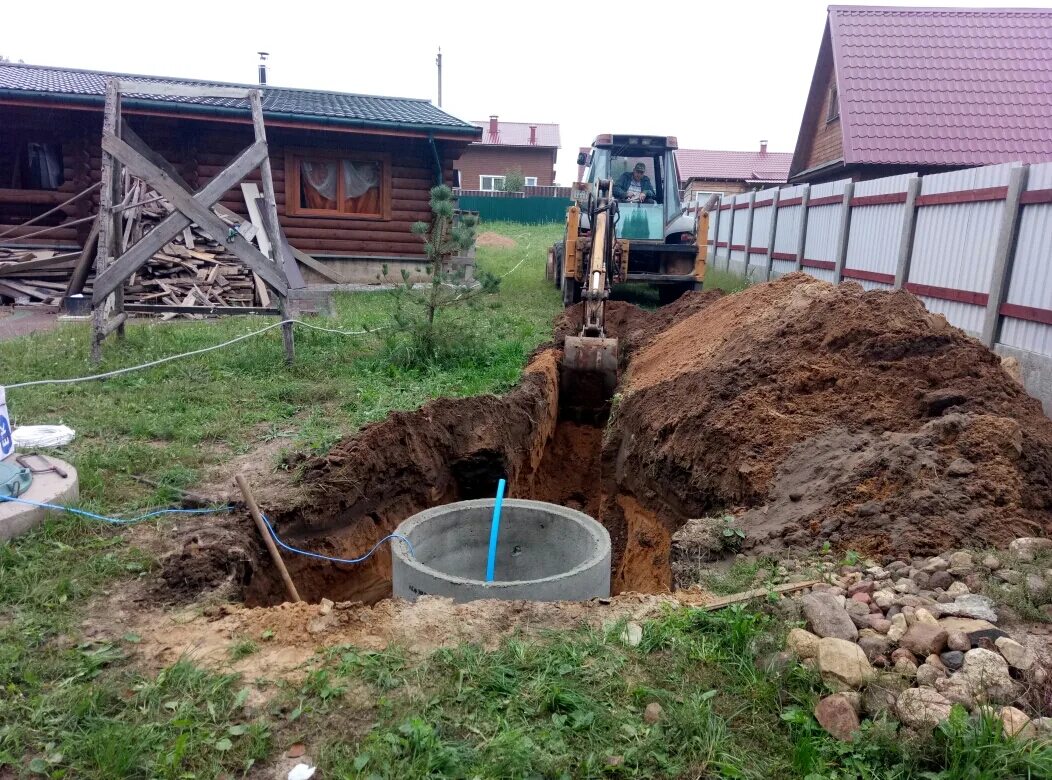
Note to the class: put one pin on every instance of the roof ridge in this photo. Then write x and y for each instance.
(211, 82)
(942, 9)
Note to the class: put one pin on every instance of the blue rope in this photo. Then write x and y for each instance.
(319, 556)
(159, 512)
(114, 520)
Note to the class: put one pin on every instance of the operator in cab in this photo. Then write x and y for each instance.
(634, 186)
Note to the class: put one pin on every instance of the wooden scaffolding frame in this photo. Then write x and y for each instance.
(123, 149)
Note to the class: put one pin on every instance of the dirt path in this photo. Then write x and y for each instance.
(16, 321)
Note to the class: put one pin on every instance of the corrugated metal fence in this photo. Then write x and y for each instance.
(974, 245)
(530, 211)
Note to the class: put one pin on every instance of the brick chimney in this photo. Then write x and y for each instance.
(533, 135)
(493, 126)
(763, 146)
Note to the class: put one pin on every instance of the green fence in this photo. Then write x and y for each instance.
(530, 211)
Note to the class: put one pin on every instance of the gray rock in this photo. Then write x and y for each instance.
(991, 562)
(957, 589)
(1026, 548)
(971, 606)
(827, 618)
(1010, 576)
(922, 579)
(960, 468)
(940, 579)
(1017, 723)
(868, 509)
(952, 659)
(922, 707)
(803, 643)
(880, 695)
(873, 646)
(936, 564)
(652, 714)
(1035, 584)
(959, 641)
(927, 675)
(961, 560)
(985, 674)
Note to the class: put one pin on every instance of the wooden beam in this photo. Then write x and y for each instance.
(45, 197)
(128, 86)
(150, 308)
(321, 268)
(174, 223)
(82, 269)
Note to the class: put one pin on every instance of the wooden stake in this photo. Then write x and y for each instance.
(268, 540)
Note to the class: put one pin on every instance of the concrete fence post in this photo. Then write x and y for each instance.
(1004, 253)
(748, 229)
(842, 237)
(730, 232)
(801, 241)
(769, 260)
(909, 227)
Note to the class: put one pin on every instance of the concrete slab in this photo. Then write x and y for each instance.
(49, 488)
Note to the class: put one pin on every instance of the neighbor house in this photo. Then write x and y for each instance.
(351, 172)
(529, 147)
(703, 171)
(923, 90)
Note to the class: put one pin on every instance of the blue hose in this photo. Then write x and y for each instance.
(319, 556)
(115, 520)
(494, 530)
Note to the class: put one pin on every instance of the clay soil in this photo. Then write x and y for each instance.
(813, 413)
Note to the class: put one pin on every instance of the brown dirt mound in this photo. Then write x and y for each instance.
(490, 238)
(835, 414)
(634, 326)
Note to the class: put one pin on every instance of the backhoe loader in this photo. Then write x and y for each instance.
(624, 226)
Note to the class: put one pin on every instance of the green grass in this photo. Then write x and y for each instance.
(172, 422)
(78, 709)
(571, 705)
(727, 281)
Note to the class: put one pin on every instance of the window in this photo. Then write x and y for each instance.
(358, 186)
(33, 165)
(531, 181)
(491, 183)
(834, 104)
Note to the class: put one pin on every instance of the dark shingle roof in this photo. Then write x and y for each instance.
(302, 104)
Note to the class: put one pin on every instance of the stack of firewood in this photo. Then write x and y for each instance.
(192, 270)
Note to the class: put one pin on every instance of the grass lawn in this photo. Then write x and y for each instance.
(568, 705)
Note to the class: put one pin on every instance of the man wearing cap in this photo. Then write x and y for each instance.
(634, 186)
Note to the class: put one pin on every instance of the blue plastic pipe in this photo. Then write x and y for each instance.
(494, 530)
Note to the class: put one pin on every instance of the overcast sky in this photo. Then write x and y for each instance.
(646, 67)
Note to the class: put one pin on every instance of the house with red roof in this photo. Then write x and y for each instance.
(924, 90)
(708, 170)
(530, 147)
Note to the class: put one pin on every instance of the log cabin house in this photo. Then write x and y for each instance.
(351, 172)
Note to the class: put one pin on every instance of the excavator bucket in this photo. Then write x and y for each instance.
(588, 377)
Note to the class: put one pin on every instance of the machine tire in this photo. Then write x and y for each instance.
(571, 292)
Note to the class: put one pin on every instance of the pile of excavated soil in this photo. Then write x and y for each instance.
(489, 238)
(829, 413)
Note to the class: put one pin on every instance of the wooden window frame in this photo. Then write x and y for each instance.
(500, 176)
(526, 181)
(833, 111)
(292, 183)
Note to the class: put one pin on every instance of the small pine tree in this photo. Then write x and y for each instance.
(419, 336)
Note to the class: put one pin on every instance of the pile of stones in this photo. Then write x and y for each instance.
(910, 639)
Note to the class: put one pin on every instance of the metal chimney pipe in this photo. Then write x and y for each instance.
(533, 135)
(494, 128)
(263, 68)
(763, 146)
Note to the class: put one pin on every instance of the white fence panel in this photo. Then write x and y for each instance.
(878, 211)
(825, 213)
(787, 230)
(1027, 310)
(740, 233)
(762, 214)
(723, 238)
(953, 247)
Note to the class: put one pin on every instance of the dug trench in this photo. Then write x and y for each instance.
(811, 413)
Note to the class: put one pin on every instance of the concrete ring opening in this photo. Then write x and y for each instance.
(545, 552)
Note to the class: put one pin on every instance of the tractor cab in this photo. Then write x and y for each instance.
(616, 158)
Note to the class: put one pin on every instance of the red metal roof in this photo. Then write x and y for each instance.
(943, 86)
(518, 134)
(756, 166)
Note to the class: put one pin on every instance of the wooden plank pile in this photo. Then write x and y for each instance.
(192, 270)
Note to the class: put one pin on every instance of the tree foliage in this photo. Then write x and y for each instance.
(514, 180)
(420, 335)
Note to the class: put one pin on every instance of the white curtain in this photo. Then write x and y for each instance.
(359, 178)
(320, 175)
